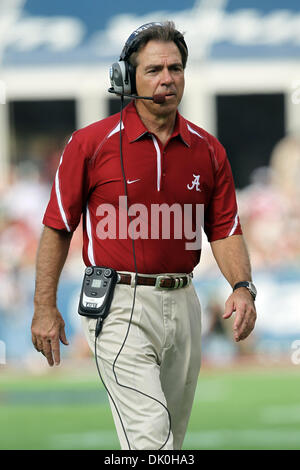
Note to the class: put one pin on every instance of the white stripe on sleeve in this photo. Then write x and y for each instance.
(90, 237)
(58, 196)
(236, 220)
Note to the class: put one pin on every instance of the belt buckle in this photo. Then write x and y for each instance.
(178, 282)
(159, 279)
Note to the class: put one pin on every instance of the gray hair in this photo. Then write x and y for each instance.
(166, 33)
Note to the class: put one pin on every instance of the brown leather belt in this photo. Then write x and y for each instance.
(160, 281)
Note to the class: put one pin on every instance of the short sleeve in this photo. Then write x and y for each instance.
(221, 218)
(70, 189)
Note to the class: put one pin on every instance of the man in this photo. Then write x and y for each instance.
(149, 357)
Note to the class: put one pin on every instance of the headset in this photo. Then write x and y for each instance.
(123, 83)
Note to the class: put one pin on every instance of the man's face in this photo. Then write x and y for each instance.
(160, 71)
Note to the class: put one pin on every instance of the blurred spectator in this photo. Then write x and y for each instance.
(270, 208)
(22, 206)
(25, 198)
(285, 162)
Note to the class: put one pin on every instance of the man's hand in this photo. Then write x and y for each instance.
(241, 302)
(47, 329)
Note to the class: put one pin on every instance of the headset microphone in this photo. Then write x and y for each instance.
(158, 98)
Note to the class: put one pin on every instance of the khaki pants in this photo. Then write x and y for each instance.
(156, 369)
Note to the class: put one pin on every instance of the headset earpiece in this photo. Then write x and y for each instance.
(122, 77)
(119, 77)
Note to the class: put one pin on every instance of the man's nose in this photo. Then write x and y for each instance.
(166, 77)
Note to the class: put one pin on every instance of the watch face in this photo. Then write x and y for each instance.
(253, 288)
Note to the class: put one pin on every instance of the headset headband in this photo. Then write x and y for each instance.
(132, 42)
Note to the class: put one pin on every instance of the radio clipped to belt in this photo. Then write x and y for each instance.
(97, 293)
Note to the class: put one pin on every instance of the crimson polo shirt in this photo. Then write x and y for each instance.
(191, 170)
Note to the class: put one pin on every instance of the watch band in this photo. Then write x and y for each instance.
(249, 285)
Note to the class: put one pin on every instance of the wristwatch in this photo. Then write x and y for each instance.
(249, 285)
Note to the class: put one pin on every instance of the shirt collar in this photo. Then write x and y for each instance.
(135, 128)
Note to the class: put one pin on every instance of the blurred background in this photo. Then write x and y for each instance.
(243, 86)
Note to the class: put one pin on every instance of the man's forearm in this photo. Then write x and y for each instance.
(232, 257)
(51, 257)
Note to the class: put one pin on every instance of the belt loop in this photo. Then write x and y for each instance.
(132, 280)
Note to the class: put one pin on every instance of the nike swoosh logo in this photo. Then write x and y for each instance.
(133, 181)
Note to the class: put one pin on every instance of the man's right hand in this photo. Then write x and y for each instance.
(47, 330)
(48, 326)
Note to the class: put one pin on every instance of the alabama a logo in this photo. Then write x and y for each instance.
(195, 183)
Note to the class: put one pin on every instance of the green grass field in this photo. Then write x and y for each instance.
(233, 409)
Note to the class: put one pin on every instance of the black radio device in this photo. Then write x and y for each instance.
(96, 293)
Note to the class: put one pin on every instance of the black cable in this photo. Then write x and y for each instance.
(108, 392)
(131, 314)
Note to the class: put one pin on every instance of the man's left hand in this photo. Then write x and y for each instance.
(241, 302)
